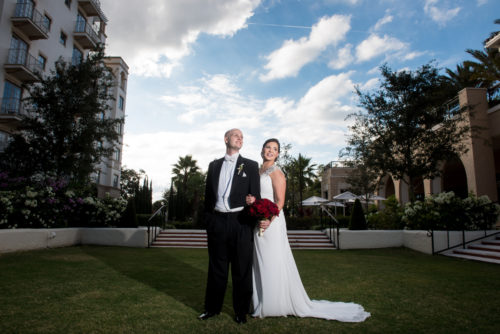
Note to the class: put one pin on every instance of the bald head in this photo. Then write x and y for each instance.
(234, 141)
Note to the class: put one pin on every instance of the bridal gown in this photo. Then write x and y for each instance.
(277, 287)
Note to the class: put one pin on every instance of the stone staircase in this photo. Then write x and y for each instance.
(198, 239)
(486, 250)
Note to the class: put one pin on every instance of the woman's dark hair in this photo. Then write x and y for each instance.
(272, 140)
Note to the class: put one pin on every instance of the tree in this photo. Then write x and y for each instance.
(486, 69)
(358, 220)
(406, 125)
(303, 173)
(65, 132)
(363, 179)
(144, 197)
(130, 181)
(187, 186)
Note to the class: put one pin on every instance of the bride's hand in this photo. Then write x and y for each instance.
(264, 224)
(250, 199)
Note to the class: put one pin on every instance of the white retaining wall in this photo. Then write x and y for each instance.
(420, 241)
(28, 239)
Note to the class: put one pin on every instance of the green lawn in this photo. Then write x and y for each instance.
(126, 290)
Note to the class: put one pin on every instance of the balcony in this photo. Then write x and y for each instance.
(90, 7)
(11, 111)
(493, 42)
(30, 21)
(23, 66)
(86, 36)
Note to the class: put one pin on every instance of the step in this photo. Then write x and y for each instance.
(198, 239)
(474, 258)
(485, 247)
(492, 242)
(477, 253)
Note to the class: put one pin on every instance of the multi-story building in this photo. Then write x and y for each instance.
(36, 33)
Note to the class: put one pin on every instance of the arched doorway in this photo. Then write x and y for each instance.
(389, 187)
(454, 178)
(418, 188)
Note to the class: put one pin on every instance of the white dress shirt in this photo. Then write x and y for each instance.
(225, 183)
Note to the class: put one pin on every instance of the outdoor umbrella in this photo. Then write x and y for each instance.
(345, 196)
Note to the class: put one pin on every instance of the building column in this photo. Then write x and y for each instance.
(479, 160)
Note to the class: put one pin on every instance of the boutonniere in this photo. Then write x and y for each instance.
(240, 168)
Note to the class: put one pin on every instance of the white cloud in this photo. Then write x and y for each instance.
(295, 54)
(344, 58)
(440, 15)
(386, 19)
(208, 110)
(152, 36)
(371, 84)
(349, 2)
(374, 46)
(482, 2)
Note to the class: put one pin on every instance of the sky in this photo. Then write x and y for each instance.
(272, 68)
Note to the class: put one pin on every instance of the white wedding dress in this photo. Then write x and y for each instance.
(277, 287)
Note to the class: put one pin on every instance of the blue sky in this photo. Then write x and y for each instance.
(273, 68)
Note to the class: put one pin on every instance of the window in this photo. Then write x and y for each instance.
(115, 181)
(67, 3)
(47, 22)
(123, 81)
(119, 128)
(11, 101)
(117, 155)
(4, 140)
(81, 23)
(24, 8)
(42, 61)
(77, 57)
(121, 102)
(98, 177)
(63, 38)
(18, 52)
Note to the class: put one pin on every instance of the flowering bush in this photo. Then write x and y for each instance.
(44, 201)
(446, 211)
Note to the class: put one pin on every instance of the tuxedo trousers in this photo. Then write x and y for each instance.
(230, 244)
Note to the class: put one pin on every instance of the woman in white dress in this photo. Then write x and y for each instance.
(277, 287)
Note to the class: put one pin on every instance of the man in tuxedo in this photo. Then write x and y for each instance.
(229, 229)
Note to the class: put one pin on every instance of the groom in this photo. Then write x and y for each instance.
(229, 230)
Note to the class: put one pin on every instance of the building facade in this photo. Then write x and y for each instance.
(34, 34)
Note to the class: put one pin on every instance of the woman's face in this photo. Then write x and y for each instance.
(270, 152)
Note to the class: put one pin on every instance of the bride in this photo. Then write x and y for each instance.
(277, 287)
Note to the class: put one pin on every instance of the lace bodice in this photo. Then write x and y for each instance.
(266, 184)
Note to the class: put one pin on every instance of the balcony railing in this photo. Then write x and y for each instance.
(30, 21)
(91, 7)
(22, 65)
(86, 36)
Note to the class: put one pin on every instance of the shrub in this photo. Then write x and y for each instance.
(44, 201)
(389, 218)
(301, 223)
(446, 211)
(358, 221)
(129, 217)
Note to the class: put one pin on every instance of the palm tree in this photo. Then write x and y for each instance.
(183, 170)
(462, 77)
(487, 68)
(303, 173)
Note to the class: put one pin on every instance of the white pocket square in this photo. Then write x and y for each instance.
(244, 175)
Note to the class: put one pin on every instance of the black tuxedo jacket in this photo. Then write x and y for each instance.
(246, 180)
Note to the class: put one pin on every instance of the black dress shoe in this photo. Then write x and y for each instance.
(241, 319)
(206, 315)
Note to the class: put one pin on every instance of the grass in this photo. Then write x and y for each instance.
(126, 290)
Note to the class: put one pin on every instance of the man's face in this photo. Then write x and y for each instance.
(234, 140)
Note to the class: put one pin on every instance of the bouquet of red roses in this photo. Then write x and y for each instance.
(263, 209)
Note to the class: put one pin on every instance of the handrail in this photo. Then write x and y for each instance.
(84, 27)
(151, 233)
(26, 10)
(463, 243)
(336, 244)
(22, 57)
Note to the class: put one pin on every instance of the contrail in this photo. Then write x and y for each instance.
(279, 25)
